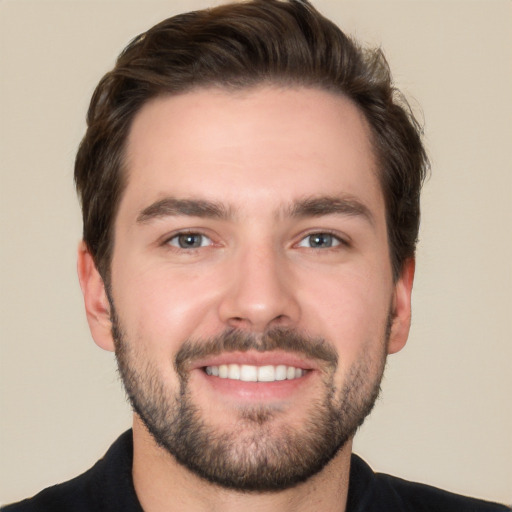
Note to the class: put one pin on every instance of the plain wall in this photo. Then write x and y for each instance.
(445, 412)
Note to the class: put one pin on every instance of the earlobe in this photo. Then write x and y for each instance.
(401, 321)
(97, 306)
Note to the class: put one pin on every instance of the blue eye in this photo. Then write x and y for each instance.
(189, 241)
(320, 241)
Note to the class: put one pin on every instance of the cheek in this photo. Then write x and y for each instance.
(162, 307)
(349, 309)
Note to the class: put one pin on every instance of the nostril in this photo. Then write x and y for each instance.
(280, 321)
(239, 322)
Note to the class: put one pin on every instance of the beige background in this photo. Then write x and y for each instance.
(445, 415)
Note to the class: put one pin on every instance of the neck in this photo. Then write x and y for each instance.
(162, 484)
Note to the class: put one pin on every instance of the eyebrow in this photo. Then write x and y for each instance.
(329, 205)
(170, 206)
(307, 207)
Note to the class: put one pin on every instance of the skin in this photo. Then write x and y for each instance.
(255, 153)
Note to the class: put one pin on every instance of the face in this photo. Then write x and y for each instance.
(252, 297)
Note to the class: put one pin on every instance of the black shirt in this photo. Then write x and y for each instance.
(108, 486)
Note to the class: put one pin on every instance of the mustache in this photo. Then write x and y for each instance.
(234, 340)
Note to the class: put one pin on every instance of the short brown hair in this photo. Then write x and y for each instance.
(242, 45)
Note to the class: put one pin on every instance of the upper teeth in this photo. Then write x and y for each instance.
(249, 373)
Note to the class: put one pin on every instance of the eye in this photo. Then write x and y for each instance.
(320, 241)
(189, 240)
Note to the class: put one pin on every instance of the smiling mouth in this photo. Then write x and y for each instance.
(251, 373)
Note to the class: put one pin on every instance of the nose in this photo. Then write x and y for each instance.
(260, 292)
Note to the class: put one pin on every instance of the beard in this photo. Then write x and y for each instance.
(258, 453)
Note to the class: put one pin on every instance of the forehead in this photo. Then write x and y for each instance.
(266, 146)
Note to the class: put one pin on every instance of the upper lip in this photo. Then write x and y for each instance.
(254, 358)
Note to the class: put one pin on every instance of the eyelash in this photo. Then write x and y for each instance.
(335, 238)
(177, 236)
(338, 241)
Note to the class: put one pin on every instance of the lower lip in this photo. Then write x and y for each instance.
(255, 391)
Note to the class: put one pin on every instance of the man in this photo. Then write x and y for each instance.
(250, 193)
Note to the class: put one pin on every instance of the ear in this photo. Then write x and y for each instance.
(97, 306)
(401, 321)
